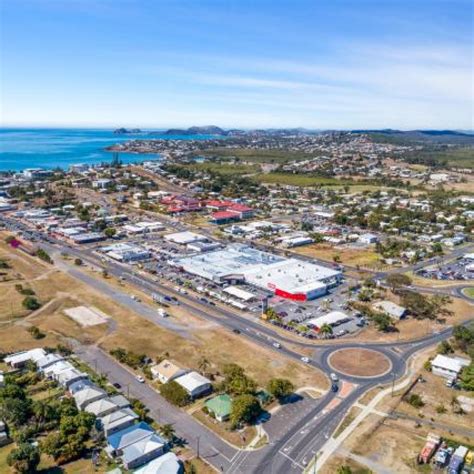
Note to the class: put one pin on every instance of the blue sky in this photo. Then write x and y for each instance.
(163, 63)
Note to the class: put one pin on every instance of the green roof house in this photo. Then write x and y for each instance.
(220, 406)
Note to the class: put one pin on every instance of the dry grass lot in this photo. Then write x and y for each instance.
(348, 256)
(359, 362)
(331, 466)
(435, 395)
(217, 345)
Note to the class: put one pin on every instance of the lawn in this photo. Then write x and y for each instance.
(469, 292)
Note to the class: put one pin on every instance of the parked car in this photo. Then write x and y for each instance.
(140, 379)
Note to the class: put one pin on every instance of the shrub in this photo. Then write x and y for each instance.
(415, 400)
(31, 303)
(36, 332)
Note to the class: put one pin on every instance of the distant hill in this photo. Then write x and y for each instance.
(424, 136)
(206, 130)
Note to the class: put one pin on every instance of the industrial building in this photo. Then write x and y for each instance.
(287, 277)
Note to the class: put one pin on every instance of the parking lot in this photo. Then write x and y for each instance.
(460, 269)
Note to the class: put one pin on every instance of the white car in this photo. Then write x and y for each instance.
(305, 359)
(334, 377)
(277, 345)
(140, 379)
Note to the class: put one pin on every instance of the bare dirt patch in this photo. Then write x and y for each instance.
(359, 362)
(87, 316)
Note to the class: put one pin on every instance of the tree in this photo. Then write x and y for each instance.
(24, 458)
(245, 408)
(43, 255)
(280, 388)
(445, 348)
(344, 470)
(203, 364)
(236, 382)
(110, 232)
(382, 321)
(31, 303)
(78, 262)
(175, 394)
(325, 330)
(424, 307)
(397, 280)
(466, 378)
(168, 431)
(415, 400)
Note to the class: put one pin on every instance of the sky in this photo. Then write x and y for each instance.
(320, 64)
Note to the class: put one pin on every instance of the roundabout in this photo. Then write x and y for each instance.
(360, 362)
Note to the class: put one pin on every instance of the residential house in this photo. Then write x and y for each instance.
(195, 384)
(166, 464)
(20, 359)
(166, 371)
(143, 451)
(117, 421)
(88, 395)
(448, 367)
(220, 406)
(117, 442)
(394, 310)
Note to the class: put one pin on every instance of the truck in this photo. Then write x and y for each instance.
(441, 457)
(469, 463)
(457, 460)
(430, 447)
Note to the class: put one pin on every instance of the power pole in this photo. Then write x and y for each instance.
(198, 447)
(393, 382)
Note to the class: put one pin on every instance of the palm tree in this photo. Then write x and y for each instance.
(203, 364)
(325, 330)
(168, 431)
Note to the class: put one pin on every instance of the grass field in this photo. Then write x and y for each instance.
(348, 256)
(457, 157)
(299, 179)
(224, 168)
(259, 156)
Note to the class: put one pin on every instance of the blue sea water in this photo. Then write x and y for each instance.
(52, 148)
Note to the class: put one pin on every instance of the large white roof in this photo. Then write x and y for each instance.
(333, 317)
(258, 268)
(239, 293)
(185, 237)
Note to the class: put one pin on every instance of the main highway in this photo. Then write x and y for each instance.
(292, 443)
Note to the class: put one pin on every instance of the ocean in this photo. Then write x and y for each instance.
(52, 148)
